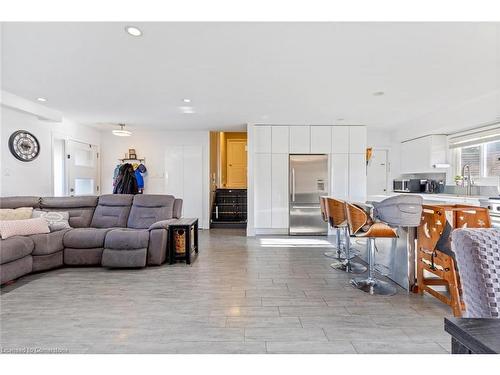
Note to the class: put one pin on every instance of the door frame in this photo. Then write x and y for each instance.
(66, 138)
(387, 169)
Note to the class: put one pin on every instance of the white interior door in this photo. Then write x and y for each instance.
(184, 178)
(378, 173)
(83, 168)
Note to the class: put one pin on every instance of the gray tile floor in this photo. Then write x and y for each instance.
(242, 295)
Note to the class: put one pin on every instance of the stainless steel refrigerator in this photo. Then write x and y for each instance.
(308, 181)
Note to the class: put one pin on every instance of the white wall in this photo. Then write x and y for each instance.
(383, 139)
(152, 145)
(35, 177)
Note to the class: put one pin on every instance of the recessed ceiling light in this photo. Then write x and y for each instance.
(186, 100)
(40, 99)
(378, 93)
(187, 109)
(122, 132)
(132, 30)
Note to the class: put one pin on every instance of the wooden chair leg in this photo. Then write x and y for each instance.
(456, 303)
(420, 276)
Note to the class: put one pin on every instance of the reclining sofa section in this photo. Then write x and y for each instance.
(110, 230)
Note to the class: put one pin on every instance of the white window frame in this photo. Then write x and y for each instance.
(457, 160)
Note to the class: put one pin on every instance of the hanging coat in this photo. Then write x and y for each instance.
(125, 182)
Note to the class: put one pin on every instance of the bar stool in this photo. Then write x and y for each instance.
(362, 226)
(338, 242)
(336, 210)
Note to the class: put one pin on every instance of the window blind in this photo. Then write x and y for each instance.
(475, 137)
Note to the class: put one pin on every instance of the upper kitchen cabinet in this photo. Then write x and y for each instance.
(340, 140)
(321, 139)
(279, 140)
(300, 140)
(357, 139)
(262, 139)
(422, 155)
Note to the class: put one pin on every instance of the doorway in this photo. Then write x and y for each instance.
(378, 172)
(228, 179)
(75, 168)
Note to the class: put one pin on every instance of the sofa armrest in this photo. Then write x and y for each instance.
(162, 224)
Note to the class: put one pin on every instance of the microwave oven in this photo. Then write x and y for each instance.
(406, 185)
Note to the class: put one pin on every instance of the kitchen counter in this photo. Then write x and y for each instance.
(434, 198)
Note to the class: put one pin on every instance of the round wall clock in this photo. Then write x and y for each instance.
(24, 145)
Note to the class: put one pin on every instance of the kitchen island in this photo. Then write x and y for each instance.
(395, 258)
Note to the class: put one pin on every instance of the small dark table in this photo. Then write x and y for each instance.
(473, 336)
(190, 228)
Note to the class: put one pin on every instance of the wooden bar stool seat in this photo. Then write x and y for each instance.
(362, 226)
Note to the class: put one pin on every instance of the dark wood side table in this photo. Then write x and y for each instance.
(473, 336)
(189, 227)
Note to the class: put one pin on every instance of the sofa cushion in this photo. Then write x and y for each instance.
(126, 238)
(15, 248)
(57, 220)
(124, 258)
(20, 213)
(85, 238)
(80, 209)
(48, 243)
(148, 209)
(10, 228)
(83, 257)
(112, 211)
(16, 268)
(47, 262)
(16, 202)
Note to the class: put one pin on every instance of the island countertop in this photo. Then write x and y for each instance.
(434, 198)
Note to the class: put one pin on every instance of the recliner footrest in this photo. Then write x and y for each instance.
(115, 258)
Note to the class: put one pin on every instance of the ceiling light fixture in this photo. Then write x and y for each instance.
(186, 100)
(122, 132)
(132, 30)
(187, 109)
(378, 93)
(40, 99)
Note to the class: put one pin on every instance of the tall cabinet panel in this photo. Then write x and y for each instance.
(357, 177)
(357, 139)
(262, 190)
(321, 139)
(340, 139)
(340, 176)
(279, 191)
(300, 140)
(262, 139)
(280, 138)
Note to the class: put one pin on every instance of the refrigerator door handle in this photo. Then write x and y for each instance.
(293, 184)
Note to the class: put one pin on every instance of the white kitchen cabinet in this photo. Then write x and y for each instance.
(262, 190)
(340, 139)
(357, 139)
(280, 138)
(420, 155)
(262, 139)
(357, 177)
(339, 176)
(321, 139)
(279, 191)
(300, 140)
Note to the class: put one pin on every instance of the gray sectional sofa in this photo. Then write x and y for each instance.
(110, 230)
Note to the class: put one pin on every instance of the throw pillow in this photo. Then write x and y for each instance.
(9, 228)
(20, 213)
(56, 220)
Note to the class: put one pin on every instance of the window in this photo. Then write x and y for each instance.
(483, 159)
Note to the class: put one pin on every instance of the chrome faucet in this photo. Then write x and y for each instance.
(468, 181)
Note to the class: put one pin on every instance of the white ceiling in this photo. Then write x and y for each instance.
(236, 73)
